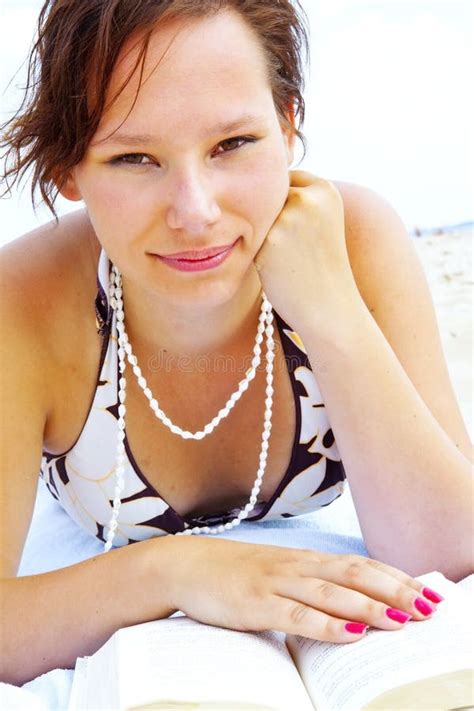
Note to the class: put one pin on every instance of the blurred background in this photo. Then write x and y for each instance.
(389, 105)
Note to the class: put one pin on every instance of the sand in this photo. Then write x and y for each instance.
(447, 262)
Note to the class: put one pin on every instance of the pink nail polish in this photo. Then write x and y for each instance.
(423, 606)
(397, 615)
(356, 627)
(432, 595)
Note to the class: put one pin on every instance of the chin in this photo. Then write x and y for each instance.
(208, 293)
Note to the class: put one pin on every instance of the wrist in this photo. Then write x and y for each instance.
(335, 321)
(156, 568)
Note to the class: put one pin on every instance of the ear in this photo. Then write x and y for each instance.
(68, 187)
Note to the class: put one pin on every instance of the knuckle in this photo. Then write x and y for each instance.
(373, 607)
(401, 593)
(354, 570)
(377, 564)
(326, 590)
(331, 629)
(298, 613)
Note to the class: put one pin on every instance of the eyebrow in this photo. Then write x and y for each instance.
(148, 138)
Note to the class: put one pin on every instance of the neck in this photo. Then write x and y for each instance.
(156, 327)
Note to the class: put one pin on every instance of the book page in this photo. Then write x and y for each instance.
(95, 683)
(346, 677)
(183, 661)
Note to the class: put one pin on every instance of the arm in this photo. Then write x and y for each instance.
(47, 620)
(76, 609)
(384, 380)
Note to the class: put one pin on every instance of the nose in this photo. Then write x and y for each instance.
(192, 205)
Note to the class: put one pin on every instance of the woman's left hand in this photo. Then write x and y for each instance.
(303, 263)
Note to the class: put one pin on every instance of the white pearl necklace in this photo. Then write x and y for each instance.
(125, 349)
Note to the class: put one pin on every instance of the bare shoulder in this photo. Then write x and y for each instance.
(36, 256)
(375, 233)
(47, 271)
(48, 283)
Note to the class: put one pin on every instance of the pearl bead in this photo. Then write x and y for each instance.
(265, 325)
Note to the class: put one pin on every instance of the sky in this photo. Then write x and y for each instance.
(388, 103)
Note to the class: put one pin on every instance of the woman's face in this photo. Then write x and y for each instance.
(170, 179)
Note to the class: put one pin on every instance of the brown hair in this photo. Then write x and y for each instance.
(79, 42)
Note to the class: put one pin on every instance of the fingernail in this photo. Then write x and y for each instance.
(432, 595)
(356, 627)
(397, 615)
(423, 606)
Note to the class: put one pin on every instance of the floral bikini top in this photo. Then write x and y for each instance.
(82, 479)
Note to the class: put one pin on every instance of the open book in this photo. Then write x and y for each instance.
(178, 663)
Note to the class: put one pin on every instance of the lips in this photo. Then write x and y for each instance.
(198, 255)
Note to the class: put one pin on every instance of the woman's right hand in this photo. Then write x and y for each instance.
(255, 587)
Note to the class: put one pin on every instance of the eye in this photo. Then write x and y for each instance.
(132, 159)
(244, 139)
(141, 159)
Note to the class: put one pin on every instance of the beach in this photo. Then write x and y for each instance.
(446, 257)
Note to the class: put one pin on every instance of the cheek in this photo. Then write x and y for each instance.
(266, 194)
(115, 211)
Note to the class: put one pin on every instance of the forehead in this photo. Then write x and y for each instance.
(202, 67)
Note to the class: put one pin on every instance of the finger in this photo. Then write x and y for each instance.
(341, 602)
(378, 581)
(302, 178)
(293, 617)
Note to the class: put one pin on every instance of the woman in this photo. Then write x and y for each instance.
(175, 122)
